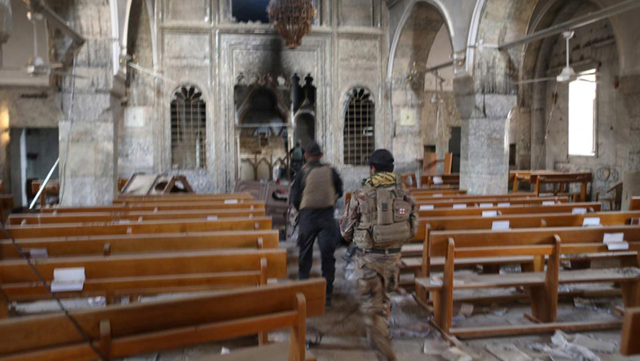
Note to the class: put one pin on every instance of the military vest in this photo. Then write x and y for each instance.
(385, 219)
(319, 191)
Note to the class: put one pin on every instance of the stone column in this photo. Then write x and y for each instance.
(484, 160)
(88, 163)
(6, 23)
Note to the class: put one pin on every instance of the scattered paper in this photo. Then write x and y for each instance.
(437, 195)
(591, 222)
(456, 354)
(225, 351)
(123, 221)
(507, 353)
(613, 238)
(437, 180)
(618, 246)
(486, 205)
(500, 225)
(579, 211)
(466, 309)
(230, 201)
(68, 279)
(426, 208)
(548, 203)
(490, 213)
(212, 218)
(594, 344)
(459, 206)
(565, 350)
(504, 204)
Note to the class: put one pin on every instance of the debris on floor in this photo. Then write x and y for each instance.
(456, 354)
(507, 352)
(563, 349)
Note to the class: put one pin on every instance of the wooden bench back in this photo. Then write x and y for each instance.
(49, 218)
(445, 192)
(635, 204)
(631, 332)
(477, 211)
(147, 227)
(152, 264)
(493, 202)
(447, 179)
(181, 197)
(526, 237)
(158, 207)
(452, 197)
(121, 331)
(530, 220)
(142, 243)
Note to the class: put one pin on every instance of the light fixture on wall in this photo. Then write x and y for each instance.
(292, 19)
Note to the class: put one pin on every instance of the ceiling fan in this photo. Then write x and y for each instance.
(36, 65)
(567, 74)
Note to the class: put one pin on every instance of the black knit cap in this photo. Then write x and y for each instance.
(313, 149)
(382, 160)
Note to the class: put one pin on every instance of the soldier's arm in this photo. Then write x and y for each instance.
(414, 214)
(350, 218)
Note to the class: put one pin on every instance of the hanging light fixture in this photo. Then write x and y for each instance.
(292, 18)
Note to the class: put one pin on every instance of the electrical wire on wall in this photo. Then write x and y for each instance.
(546, 132)
(63, 167)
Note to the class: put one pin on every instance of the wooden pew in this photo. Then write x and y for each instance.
(477, 211)
(159, 207)
(563, 180)
(134, 216)
(452, 180)
(491, 202)
(155, 273)
(631, 332)
(141, 243)
(635, 204)
(542, 285)
(418, 258)
(445, 192)
(127, 330)
(181, 197)
(502, 197)
(147, 227)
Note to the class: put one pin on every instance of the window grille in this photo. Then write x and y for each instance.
(188, 129)
(359, 122)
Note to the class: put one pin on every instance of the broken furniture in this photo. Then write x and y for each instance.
(613, 197)
(149, 184)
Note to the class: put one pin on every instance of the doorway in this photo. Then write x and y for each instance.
(454, 148)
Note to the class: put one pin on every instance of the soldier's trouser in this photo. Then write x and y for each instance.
(321, 224)
(377, 275)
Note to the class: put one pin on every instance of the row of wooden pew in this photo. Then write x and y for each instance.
(152, 245)
(534, 235)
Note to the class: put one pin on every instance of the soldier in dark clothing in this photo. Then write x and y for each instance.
(315, 190)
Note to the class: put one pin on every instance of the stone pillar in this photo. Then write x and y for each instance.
(88, 163)
(6, 23)
(484, 160)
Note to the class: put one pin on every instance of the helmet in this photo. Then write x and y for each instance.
(382, 160)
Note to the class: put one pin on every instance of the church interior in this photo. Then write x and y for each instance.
(149, 151)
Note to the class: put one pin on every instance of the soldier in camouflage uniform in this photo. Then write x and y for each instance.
(380, 217)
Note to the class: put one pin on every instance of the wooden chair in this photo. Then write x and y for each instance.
(409, 180)
(613, 200)
(631, 332)
(562, 181)
(127, 330)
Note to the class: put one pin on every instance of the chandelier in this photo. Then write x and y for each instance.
(292, 18)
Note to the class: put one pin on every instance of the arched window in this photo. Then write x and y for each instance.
(359, 124)
(188, 129)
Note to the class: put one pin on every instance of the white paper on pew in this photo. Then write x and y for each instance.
(230, 201)
(504, 204)
(500, 225)
(124, 221)
(548, 203)
(618, 246)
(591, 222)
(613, 238)
(579, 211)
(426, 208)
(212, 218)
(437, 180)
(459, 206)
(68, 279)
(37, 252)
(489, 213)
(486, 205)
(437, 196)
